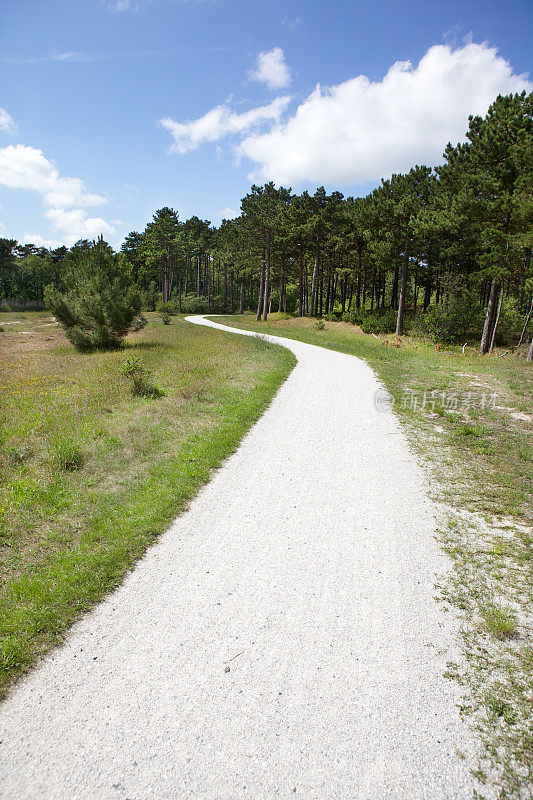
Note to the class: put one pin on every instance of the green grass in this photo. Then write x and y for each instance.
(475, 444)
(91, 474)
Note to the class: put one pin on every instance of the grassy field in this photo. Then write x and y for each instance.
(469, 418)
(90, 473)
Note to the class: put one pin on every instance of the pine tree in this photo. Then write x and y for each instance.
(99, 307)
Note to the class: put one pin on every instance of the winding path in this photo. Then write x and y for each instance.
(307, 568)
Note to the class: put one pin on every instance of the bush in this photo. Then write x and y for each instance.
(141, 386)
(199, 305)
(194, 305)
(320, 324)
(331, 317)
(454, 323)
(379, 321)
(165, 310)
(99, 307)
(353, 316)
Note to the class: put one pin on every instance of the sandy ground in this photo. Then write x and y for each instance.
(281, 639)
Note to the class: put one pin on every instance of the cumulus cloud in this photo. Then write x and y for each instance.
(24, 167)
(271, 69)
(40, 241)
(7, 123)
(220, 122)
(75, 224)
(361, 130)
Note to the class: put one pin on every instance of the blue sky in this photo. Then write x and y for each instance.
(84, 85)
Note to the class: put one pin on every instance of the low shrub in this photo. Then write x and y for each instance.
(378, 321)
(165, 311)
(141, 386)
(455, 322)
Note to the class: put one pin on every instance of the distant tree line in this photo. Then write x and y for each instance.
(446, 248)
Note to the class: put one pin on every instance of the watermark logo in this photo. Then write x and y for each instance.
(383, 400)
(450, 400)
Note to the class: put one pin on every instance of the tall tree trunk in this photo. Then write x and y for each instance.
(530, 351)
(267, 281)
(261, 288)
(490, 318)
(350, 296)
(313, 303)
(334, 291)
(493, 336)
(301, 310)
(403, 289)
(526, 323)
(241, 298)
(427, 295)
(394, 292)
(225, 286)
(281, 284)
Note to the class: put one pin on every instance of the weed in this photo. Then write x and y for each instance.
(500, 622)
(67, 454)
(140, 377)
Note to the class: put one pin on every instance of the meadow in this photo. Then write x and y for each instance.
(91, 473)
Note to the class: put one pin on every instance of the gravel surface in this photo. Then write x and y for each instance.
(280, 639)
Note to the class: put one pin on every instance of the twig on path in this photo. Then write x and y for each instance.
(238, 654)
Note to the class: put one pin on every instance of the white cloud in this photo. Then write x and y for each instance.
(2, 227)
(7, 123)
(228, 213)
(220, 122)
(118, 6)
(291, 23)
(271, 69)
(24, 167)
(41, 241)
(75, 224)
(359, 130)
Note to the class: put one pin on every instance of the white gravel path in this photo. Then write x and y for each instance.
(310, 553)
